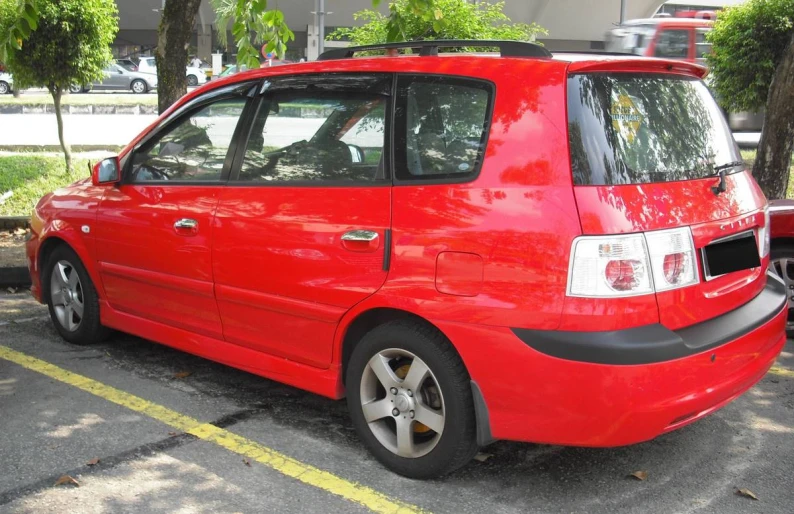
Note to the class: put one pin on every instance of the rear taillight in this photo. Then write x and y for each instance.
(634, 264)
(673, 261)
(609, 266)
(764, 235)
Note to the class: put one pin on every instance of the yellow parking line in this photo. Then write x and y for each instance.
(355, 492)
(783, 372)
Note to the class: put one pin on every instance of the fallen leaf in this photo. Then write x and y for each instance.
(93, 462)
(12, 290)
(746, 493)
(20, 231)
(67, 480)
(639, 475)
(172, 433)
(183, 374)
(247, 462)
(482, 457)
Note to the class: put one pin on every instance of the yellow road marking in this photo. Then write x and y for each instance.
(783, 372)
(355, 492)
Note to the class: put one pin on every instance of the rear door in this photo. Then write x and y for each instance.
(651, 152)
(302, 233)
(154, 230)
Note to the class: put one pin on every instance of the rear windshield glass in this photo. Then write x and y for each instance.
(641, 128)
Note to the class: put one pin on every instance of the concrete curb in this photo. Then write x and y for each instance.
(17, 276)
(77, 109)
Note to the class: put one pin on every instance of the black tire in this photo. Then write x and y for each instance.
(192, 80)
(458, 443)
(143, 86)
(4, 87)
(785, 251)
(75, 89)
(90, 330)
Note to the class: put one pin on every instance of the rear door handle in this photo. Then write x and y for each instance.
(186, 226)
(364, 241)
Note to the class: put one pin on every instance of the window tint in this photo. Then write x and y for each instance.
(441, 127)
(317, 136)
(194, 149)
(673, 44)
(641, 128)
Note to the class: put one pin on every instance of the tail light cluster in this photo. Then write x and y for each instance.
(633, 264)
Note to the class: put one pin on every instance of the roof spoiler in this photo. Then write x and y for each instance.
(430, 48)
(639, 65)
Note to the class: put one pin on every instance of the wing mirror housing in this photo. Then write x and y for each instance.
(106, 171)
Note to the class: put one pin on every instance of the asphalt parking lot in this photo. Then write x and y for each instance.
(143, 428)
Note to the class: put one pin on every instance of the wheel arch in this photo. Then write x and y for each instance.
(67, 237)
(785, 240)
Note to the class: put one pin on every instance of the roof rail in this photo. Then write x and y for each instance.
(429, 48)
(596, 52)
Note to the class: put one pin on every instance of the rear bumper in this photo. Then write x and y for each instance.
(532, 395)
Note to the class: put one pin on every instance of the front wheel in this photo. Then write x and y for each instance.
(72, 298)
(4, 87)
(409, 397)
(192, 80)
(76, 88)
(782, 261)
(139, 86)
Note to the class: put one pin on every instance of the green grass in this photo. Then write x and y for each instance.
(30, 177)
(82, 99)
(748, 156)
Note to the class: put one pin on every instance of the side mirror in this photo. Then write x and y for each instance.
(107, 171)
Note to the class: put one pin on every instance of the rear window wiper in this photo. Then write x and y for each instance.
(727, 165)
(721, 187)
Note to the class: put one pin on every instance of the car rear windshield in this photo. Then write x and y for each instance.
(642, 128)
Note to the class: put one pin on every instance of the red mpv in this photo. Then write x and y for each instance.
(562, 249)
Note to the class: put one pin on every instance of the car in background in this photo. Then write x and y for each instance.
(6, 83)
(128, 64)
(781, 213)
(195, 76)
(120, 79)
(681, 37)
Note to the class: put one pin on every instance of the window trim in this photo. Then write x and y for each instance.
(399, 142)
(240, 90)
(690, 42)
(262, 101)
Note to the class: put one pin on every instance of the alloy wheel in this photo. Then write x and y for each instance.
(402, 403)
(138, 87)
(66, 295)
(3, 88)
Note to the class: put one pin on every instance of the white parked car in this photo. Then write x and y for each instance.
(6, 83)
(195, 76)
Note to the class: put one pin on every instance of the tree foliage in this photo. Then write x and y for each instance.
(748, 43)
(70, 45)
(252, 17)
(458, 19)
(18, 18)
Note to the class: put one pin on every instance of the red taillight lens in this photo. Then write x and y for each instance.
(620, 274)
(673, 267)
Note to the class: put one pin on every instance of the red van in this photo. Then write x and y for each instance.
(562, 249)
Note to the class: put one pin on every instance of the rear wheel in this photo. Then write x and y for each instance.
(76, 88)
(138, 86)
(782, 261)
(409, 397)
(72, 299)
(4, 88)
(192, 80)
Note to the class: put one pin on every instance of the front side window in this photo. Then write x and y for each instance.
(193, 149)
(441, 126)
(640, 128)
(673, 44)
(306, 136)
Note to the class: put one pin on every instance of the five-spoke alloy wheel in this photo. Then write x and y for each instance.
(782, 262)
(410, 399)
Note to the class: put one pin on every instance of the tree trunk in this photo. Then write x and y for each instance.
(176, 27)
(773, 160)
(67, 150)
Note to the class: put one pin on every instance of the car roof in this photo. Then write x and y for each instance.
(681, 22)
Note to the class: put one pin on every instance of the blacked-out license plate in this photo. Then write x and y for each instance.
(734, 254)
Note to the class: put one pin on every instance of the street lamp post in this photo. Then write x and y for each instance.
(623, 11)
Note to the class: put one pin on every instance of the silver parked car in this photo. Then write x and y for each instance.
(119, 78)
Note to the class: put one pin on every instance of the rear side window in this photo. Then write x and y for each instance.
(642, 128)
(441, 127)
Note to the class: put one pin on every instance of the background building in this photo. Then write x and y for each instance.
(572, 24)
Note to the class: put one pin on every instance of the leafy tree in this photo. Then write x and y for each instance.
(459, 20)
(17, 19)
(70, 45)
(752, 66)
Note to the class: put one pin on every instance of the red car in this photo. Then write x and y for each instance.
(563, 249)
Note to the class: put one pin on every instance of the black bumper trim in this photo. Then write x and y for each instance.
(655, 343)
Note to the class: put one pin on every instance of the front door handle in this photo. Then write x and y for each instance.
(186, 226)
(361, 241)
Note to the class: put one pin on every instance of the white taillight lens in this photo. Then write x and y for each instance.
(672, 255)
(764, 234)
(605, 266)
